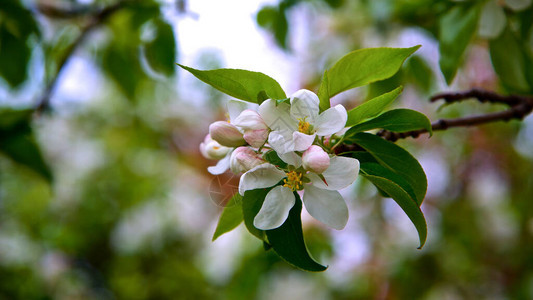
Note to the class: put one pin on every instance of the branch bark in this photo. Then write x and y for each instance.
(519, 108)
(94, 21)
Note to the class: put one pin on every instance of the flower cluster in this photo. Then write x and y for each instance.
(303, 139)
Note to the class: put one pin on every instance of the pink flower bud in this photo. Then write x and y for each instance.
(249, 120)
(226, 134)
(315, 159)
(256, 138)
(244, 159)
(211, 149)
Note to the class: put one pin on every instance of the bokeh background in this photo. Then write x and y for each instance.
(104, 195)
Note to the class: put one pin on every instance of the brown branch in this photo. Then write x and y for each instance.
(482, 96)
(520, 107)
(95, 20)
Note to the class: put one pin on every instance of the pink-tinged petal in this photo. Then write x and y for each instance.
(304, 105)
(256, 138)
(262, 176)
(235, 107)
(315, 159)
(331, 120)
(342, 172)
(221, 167)
(291, 158)
(249, 120)
(302, 141)
(281, 141)
(277, 116)
(275, 210)
(326, 206)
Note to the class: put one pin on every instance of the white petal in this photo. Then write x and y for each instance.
(235, 107)
(492, 20)
(249, 120)
(517, 5)
(304, 104)
(262, 176)
(326, 206)
(341, 173)
(281, 141)
(291, 158)
(277, 117)
(275, 210)
(331, 121)
(302, 141)
(221, 167)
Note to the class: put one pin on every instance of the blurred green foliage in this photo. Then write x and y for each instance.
(127, 215)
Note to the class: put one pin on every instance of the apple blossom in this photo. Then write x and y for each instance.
(254, 128)
(315, 159)
(211, 149)
(243, 159)
(320, 195)
(226, 134)
(295, 126)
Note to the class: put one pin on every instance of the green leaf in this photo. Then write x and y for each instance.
(16, 26)
(251, 204)
(396, 120)
(376, 169)
(362, 67)
(18, 143)
(160, 53)
(241, 84)
(288, 241)
(420, 73)
(397, 159)
(456, 29)
(509, 62)
(403, 199)
(231, 216)
(273, 158)
(323, 93)
(122, 65)
(274, 19)
(372, 107)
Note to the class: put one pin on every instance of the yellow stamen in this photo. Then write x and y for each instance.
(293, 181)
(304, 126)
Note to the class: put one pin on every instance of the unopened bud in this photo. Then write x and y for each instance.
(226, 134)
(243, 159)
(315, 159)
(211, 149)
(249, 120)
(256, 138)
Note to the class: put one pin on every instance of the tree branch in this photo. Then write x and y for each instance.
(520, 107)
(94, 21)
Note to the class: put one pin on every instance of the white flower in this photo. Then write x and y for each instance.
(211, 149)
(243, 159)
(226, 134)
(320, 197)
(296, 126)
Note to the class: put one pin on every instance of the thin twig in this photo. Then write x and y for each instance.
(520, 107)
(95, 20)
